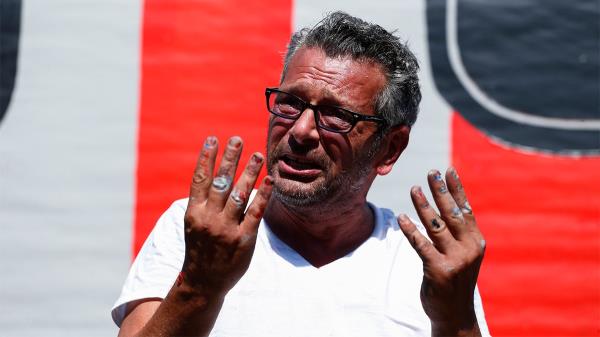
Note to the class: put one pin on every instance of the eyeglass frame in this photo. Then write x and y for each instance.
(356, 117)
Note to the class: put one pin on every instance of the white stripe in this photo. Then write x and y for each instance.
(490, 104)
(67, 154)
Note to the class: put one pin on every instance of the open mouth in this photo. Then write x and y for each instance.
(300, 164)
(298, 167)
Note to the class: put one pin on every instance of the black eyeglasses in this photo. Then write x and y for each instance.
(328, 117)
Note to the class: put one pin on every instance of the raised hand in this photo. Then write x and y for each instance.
(219, 235)
(219, 242)
(452, 258)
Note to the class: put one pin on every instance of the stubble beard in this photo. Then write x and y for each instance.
(322, 193)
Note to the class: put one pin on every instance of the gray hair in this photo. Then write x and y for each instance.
(340, 35)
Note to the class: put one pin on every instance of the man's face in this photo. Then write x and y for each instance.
(311, 165)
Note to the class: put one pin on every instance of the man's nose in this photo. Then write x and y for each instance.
(305, 129)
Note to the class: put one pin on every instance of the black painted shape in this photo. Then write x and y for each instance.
(508, 132)
(549, 50)
(10, 27)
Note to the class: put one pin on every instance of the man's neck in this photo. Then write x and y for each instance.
(321, 234)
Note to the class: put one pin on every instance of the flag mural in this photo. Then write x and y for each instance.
(10, 25)
(104, 106)
(524, 144)
(208, 68)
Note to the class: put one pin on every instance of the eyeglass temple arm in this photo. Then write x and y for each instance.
(370, 118)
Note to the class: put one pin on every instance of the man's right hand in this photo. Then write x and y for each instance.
(219, 235)
(219, 243)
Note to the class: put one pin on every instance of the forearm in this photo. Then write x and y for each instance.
(185, 311)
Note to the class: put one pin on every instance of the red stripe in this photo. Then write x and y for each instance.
(205, 65)
(541, 218)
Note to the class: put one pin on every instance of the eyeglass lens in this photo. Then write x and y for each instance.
(289, 106)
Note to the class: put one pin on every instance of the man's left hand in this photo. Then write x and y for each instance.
(452, 258)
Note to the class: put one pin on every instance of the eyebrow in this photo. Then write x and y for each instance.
(328, 97)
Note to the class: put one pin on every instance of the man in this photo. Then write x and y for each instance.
(323, 262)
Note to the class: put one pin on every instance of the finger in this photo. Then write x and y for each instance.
(221, 183)
(238, 198)
(418, 241)
(255, 211)
(203, 172)
(435, 226)
(458, 193)
(449, 210)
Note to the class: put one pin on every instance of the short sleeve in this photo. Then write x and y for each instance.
(158, 263)
(478, 305)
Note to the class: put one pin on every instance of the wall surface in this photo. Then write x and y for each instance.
(104, 105)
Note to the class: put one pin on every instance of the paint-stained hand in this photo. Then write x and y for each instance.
(219, 235)
(452, 258)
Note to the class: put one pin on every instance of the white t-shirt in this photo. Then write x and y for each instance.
(372, 291)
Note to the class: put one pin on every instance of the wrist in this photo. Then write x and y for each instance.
(193, 278)
(465, 326)
(194, 293)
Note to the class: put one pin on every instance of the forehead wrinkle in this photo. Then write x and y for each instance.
(331, 77)
(299, 88)
(335, 94)
(335, 82)
(340, 80)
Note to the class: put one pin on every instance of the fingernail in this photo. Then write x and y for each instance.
(420, 195)
(210, 142)
(436, 175)
(236, 142)
(454, 173)
(403, 218)
(256, 159)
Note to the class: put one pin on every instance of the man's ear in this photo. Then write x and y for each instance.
(394, 143)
